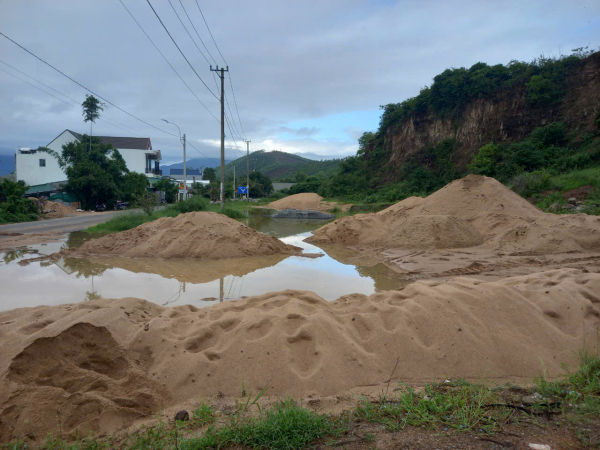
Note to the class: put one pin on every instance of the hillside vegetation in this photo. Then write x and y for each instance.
(282, 166)
(525, 124)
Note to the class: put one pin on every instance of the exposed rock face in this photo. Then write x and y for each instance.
(503, 117)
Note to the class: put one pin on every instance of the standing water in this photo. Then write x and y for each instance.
(185, 281)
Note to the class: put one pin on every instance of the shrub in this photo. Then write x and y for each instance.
(528, 184)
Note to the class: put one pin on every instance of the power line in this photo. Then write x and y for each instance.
(219, 50)
(186, 30)
(165, 58)
(182, 54)
(197, 34)
(87, 89)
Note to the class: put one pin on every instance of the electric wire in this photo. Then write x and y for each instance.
(182, 54)
(167, 61)
(87, 89)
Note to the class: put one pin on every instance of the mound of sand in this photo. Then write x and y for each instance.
(57, 210)
(473, 211)
(305, 202)
(205, 235)
(105, 362)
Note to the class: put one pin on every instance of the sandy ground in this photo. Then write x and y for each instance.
(305, 202)
(204, 235)
(473, 226)
(105, 363)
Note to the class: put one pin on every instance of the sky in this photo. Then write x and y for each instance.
(308, 76)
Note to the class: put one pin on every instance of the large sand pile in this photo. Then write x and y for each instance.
(305, 202)
(205, 235)
(55, 210)
(473, 211)
(104, 363)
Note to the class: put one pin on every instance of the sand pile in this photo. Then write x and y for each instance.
(205, 235)
(473, 211)
(105, 362)
(57, 210)
(305, 202)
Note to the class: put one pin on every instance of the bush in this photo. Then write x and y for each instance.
(14, 207)
(529, 184)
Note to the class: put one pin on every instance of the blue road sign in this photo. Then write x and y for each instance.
(242, 190)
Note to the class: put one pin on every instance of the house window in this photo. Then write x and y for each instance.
(42, 163)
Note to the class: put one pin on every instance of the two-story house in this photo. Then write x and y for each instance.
(39, 168)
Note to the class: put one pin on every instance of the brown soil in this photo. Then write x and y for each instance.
(306, 202)
(475, 211)
(57, 210)
(205, 235)
(105, 363)
(580, 193)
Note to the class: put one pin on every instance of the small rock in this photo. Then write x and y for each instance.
(539, 447)
(554, 207)
(579, 202)
(532, 399)
(568, 207)
(572, 200)
(146, 327)
(182, 415)
(579, 208)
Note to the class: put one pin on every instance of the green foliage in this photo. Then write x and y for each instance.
(286, 426)
(528, 184)
(15, 208)
(204, 414)
(91, 108)
(146, 201)
(209, 174)
(580, 390)
(171, 189)
(483, 162)
(133, 186)
(95, 175)
(543, 91)
(260, 185)
(124, 222)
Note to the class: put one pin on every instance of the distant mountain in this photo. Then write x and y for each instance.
(7, 164)
(196, 163)
(277, 164)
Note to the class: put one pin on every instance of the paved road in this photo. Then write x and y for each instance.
(66, 224)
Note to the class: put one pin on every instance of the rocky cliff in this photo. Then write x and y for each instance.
(503, 117)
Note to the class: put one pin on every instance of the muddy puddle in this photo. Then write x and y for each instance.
(178, 282)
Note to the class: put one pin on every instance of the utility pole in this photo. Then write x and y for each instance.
(184, 171)
(222, 76)
(234, 182)
(247, 141)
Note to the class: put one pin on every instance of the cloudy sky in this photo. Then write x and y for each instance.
(308, 76)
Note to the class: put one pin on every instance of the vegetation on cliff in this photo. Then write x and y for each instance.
(528, 166)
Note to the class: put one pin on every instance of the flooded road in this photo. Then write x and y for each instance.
(185, 281)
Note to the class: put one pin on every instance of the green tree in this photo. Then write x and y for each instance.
(95, 174)
(134, 186)
(209, 174)
(171, 189)
(14, 207)
(260, 185)
(484, 161)
(91, 111)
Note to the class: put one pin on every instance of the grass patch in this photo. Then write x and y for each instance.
(123, 222)
(577, 178)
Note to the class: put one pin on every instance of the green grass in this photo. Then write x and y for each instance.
(128, 221)
(578, 178)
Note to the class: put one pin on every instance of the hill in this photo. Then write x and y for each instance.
(196, 163)
(278, 165)
(521, 123)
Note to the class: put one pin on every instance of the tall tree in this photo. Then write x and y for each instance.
(91, 111)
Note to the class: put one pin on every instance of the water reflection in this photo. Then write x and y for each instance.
(201, 283)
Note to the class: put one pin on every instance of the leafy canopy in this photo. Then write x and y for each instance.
(91, 108)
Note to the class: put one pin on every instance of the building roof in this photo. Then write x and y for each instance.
(135, 143)
(190, 172)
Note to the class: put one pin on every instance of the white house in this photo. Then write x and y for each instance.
(36, 168)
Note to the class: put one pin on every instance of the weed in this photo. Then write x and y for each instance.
(203, 415)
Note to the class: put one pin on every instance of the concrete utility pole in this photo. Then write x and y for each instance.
(234, 182)
(247, 141)
(222, 76)
(182, 140)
